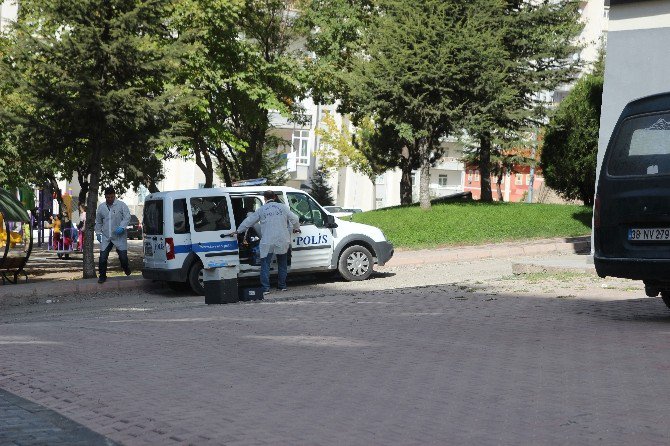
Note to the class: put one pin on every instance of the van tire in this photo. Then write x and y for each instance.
(356, 263)
(195, 279)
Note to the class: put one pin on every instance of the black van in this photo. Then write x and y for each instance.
(631, 215)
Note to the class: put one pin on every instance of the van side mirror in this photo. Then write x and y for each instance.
(330, 221)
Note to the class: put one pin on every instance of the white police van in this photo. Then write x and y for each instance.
(188, 230)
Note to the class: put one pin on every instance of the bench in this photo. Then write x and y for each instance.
(12, 266)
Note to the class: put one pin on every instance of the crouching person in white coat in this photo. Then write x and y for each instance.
(276, 221)
(110, 229)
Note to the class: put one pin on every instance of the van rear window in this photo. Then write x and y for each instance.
(153, 217)
(642, 147)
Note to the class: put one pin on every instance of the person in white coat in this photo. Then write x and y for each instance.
(111, 220)
(276, 221)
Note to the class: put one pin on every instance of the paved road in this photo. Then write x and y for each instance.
(474, 356)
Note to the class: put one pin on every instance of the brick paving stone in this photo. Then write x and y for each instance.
(451, 363)
(26, 423)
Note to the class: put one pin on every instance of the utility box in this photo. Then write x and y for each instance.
(221, 285)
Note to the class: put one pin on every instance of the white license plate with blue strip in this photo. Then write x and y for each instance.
(649, 234)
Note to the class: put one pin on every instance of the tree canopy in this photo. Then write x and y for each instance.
(85, 88)
(570, 146)
(433, 68)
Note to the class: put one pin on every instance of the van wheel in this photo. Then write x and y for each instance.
(195, 279)
(665, 295)
(355, 263)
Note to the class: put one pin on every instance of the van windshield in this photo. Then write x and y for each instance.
(642, 147)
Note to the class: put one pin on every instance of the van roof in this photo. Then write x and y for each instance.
(208, 192)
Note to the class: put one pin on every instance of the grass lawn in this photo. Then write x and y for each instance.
(475, 223)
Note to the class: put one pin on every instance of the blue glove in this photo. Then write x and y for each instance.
(119, 230)
(99, 237)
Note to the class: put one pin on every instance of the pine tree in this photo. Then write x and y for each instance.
(320, 190)
(92, 82)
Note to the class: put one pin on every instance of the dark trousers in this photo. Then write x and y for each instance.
(102, 261)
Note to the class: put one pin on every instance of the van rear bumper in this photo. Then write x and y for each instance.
(169, 275)
(636, 269)
(384, 252)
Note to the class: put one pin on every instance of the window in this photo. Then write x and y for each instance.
(153, 217)
(180, 217)
(210, 214)
(469, 175)
(642, 147)
(243, 206)
(380, 202)
(518, 179)
(413, 179)
(442, 181)
(527, 180)
(379, 179)
(307, 210)
(476, 175)
(301, 146)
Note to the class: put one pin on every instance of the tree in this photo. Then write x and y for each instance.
(93, 82)
(523, 48)
(410, 79)
(242, 70)
(570, 146)
(320, 189)
(337, 149)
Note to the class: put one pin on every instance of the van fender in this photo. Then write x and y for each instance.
(353, 239)
(190, 260)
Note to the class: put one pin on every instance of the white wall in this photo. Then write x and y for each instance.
(637, 62)
(8, 11)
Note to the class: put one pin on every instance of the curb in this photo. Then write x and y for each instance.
(11, 295)
(19, 294)
(575, 245)
(533, 268)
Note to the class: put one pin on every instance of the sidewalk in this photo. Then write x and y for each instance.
(575, 245)
(32, 292)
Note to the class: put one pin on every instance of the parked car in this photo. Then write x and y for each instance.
(352, 210)
(134, 228)
(631, 218)
(188, 231)
(338, 211)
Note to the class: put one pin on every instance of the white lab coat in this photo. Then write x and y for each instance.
(277, 222)
(106, 222)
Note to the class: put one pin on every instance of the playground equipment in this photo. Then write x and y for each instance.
(16, 237)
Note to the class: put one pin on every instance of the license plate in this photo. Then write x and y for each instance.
(649, 234)
(148, 250)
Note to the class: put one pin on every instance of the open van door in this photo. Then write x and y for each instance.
(212, 230)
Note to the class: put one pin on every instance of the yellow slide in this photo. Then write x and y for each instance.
(14, 237)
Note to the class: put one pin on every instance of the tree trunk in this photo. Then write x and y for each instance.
(498, 183)
(406, 177)
(204, 161)
(485, 168)
(59, 195)
(91, 211)
(424, 185)
(82, 177)
(406, 184)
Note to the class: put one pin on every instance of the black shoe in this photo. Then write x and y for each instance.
(102, 279)
(127, 271)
